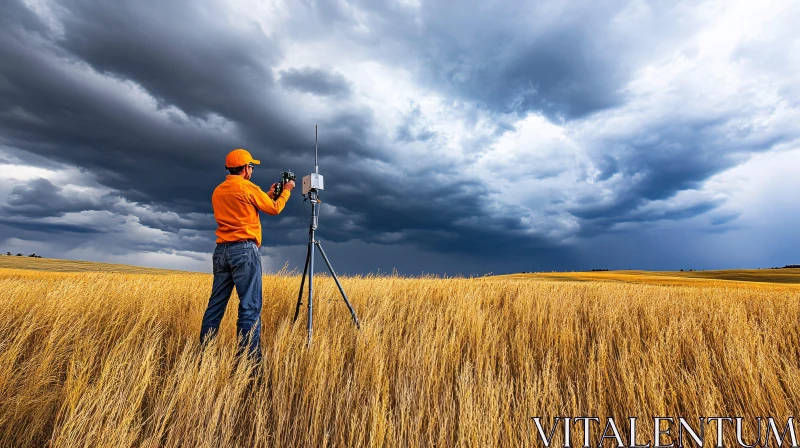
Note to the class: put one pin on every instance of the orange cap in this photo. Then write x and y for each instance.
(239, 157)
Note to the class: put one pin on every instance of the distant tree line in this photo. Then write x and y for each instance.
(9, 254)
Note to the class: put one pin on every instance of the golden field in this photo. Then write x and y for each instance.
(56, 265)
(111, 359)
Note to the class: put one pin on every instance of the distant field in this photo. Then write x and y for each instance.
(785, 276)
(782, 276)
(56, 265)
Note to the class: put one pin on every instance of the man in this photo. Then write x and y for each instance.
(236, 261)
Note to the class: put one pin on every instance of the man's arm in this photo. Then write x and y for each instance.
(266, 204)
(271, 192)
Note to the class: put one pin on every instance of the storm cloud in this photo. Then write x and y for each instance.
(489, 137)
(316, 81)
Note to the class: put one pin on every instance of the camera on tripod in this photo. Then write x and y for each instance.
(286, 177)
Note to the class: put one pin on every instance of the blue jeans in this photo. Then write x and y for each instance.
(236, 264)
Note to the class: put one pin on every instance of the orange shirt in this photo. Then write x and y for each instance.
(236, 204)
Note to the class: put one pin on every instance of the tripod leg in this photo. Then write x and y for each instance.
(310, 290)
(341, 290)
(302, 283)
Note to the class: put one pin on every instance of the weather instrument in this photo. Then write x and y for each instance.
(312, 185)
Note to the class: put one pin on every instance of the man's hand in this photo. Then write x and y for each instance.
(289, 185)
(271, 192)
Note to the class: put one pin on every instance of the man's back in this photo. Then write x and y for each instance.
(236, 202)
(236, 261)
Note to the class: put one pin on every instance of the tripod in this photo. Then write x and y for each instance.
(313, 196)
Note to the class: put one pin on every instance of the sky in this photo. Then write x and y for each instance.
(456, 138)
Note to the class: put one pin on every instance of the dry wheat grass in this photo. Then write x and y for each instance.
(93, 359)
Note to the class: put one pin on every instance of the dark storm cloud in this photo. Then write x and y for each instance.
(571, 64)
(575, 64)
(669, 158)
(414, 211)
(51, 111)
(206, 73)
(316, 81)
(44, 228)
(185, 59)
(40, 198)
(181, 54)
(562, 71)
(565, 58)
(412, 128)
(147, 97)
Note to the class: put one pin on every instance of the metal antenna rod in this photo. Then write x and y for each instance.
(316, 139)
